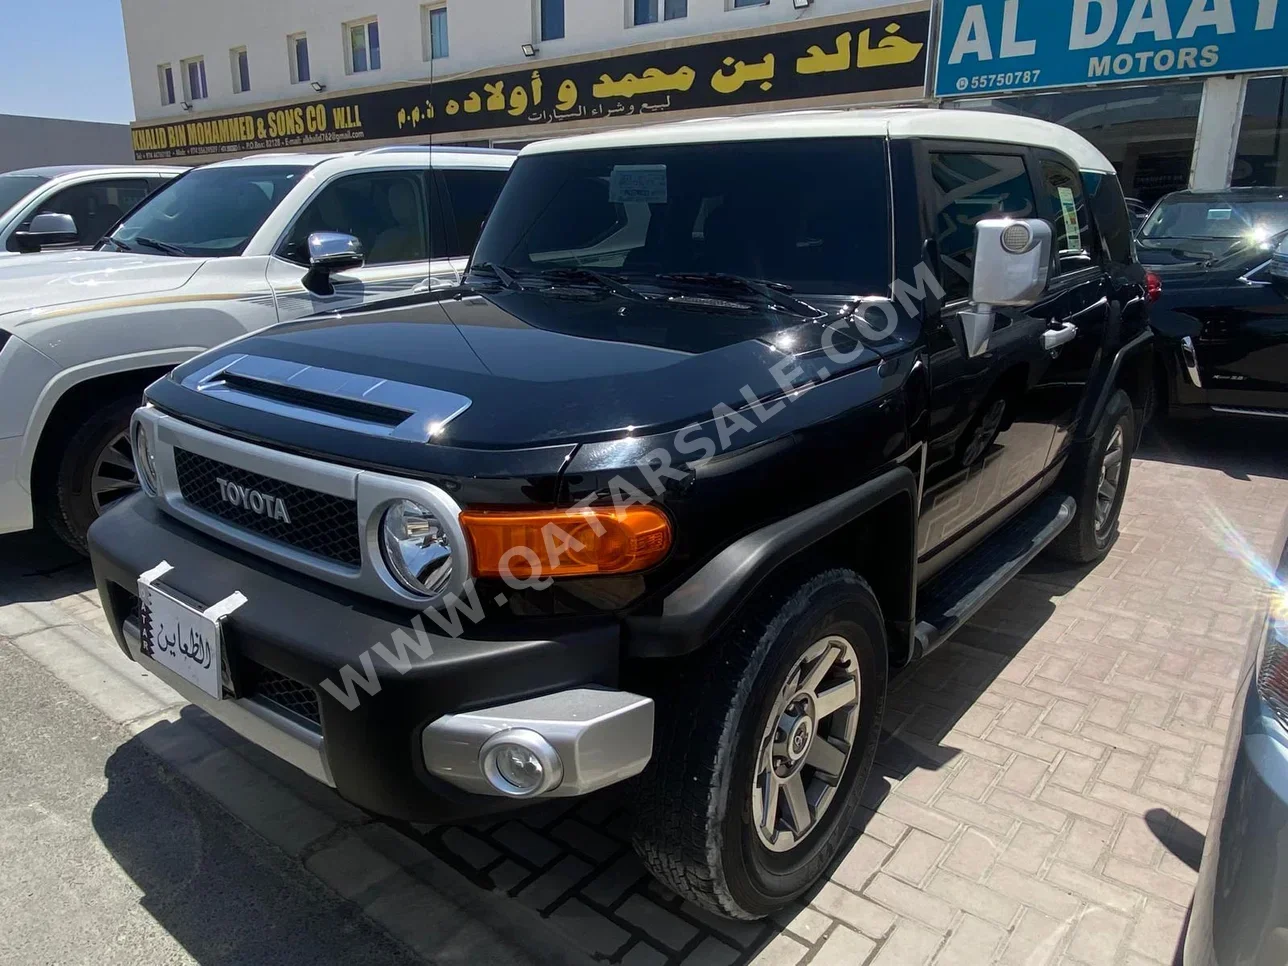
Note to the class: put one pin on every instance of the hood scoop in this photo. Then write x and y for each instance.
(329, 397)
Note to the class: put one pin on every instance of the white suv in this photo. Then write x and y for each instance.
(218, 252)
(93, 196)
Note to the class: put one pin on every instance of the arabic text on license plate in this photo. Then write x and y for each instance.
(181, 638)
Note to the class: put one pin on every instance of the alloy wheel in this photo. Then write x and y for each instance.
(1111, 470)
(114, 476)
(806, 745)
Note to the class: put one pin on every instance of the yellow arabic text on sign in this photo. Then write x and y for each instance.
(817, 61)
(651, 81)
(726, 81)
(892, 49)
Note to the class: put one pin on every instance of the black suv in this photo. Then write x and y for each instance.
(1222, 317)
(729, 421)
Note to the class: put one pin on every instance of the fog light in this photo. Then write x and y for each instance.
(145, 463)
(520, 763)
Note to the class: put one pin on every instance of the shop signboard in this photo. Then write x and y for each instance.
(871, 54)
(990, 46)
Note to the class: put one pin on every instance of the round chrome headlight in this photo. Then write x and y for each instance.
(145, 464)
(416, 548)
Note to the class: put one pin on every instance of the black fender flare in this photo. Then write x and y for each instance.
(1091, 417)
(697, 608)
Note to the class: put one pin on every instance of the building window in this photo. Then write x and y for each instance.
(165, 77)
(297, 53)
(433, 24)
(646, 11)
(363, 40)
(194, 79)
(240, 62)
(552, 19)
(735, 4)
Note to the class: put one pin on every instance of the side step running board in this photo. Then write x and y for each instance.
(953, 597)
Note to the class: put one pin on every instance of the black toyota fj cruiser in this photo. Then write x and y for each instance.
(728, 421)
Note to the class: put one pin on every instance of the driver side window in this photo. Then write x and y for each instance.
(96, 206)
(386, 211)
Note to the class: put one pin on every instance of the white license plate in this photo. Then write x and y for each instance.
(182, 638)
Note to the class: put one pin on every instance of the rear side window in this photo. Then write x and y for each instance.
(1110, 211)
(470, 196)
(968, 189)
(1075, 242)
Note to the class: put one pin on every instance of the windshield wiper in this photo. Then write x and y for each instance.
(776, 293)
(120, 245)
(164, 247)
(618, 288)
(499, 272)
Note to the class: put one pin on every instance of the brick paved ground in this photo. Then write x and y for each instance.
(1040, 796)
(1045, 782)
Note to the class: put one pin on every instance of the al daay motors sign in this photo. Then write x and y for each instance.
(1014, 45)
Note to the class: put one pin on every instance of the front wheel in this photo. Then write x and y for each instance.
(1099, 486)
(763, 748)
(94, 471)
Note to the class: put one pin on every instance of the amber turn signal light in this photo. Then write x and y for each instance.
(566, 543)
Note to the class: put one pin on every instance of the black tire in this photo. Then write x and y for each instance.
(72, 506)
(694, 826)
(1083, 541)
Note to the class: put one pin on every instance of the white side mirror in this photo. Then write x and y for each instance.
(1012, 265)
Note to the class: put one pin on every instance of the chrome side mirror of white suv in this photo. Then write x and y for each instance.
(331, 251)
(1012, 265)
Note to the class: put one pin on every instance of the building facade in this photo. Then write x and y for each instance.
(33, 142)
(1177, 93)
(216, 79)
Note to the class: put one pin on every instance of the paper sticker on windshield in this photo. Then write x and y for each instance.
(1220, 214)
(637, 184)
(1069, 208)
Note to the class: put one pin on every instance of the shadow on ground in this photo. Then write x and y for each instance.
(1239, 447)
(226, 895)
(36, 565)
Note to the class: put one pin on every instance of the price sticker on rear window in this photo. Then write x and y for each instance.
(637, 184)
(1069, 209)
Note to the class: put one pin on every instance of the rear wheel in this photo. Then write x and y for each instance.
(1100, 485)
(94, 471)
(763, 749)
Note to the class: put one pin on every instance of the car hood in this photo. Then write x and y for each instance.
(43, 280)
(539, 370)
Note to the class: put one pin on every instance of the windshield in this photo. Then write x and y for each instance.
(812, 214)
(15, 187)
(208, 212)
(1222, 217)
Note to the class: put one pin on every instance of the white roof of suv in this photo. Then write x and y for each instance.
(961, 125)
(411, 155)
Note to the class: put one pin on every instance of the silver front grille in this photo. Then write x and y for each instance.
(369, 494)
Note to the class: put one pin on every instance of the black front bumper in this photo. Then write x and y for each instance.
(305, 631)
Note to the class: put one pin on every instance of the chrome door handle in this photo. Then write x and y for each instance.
(1057, 336)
